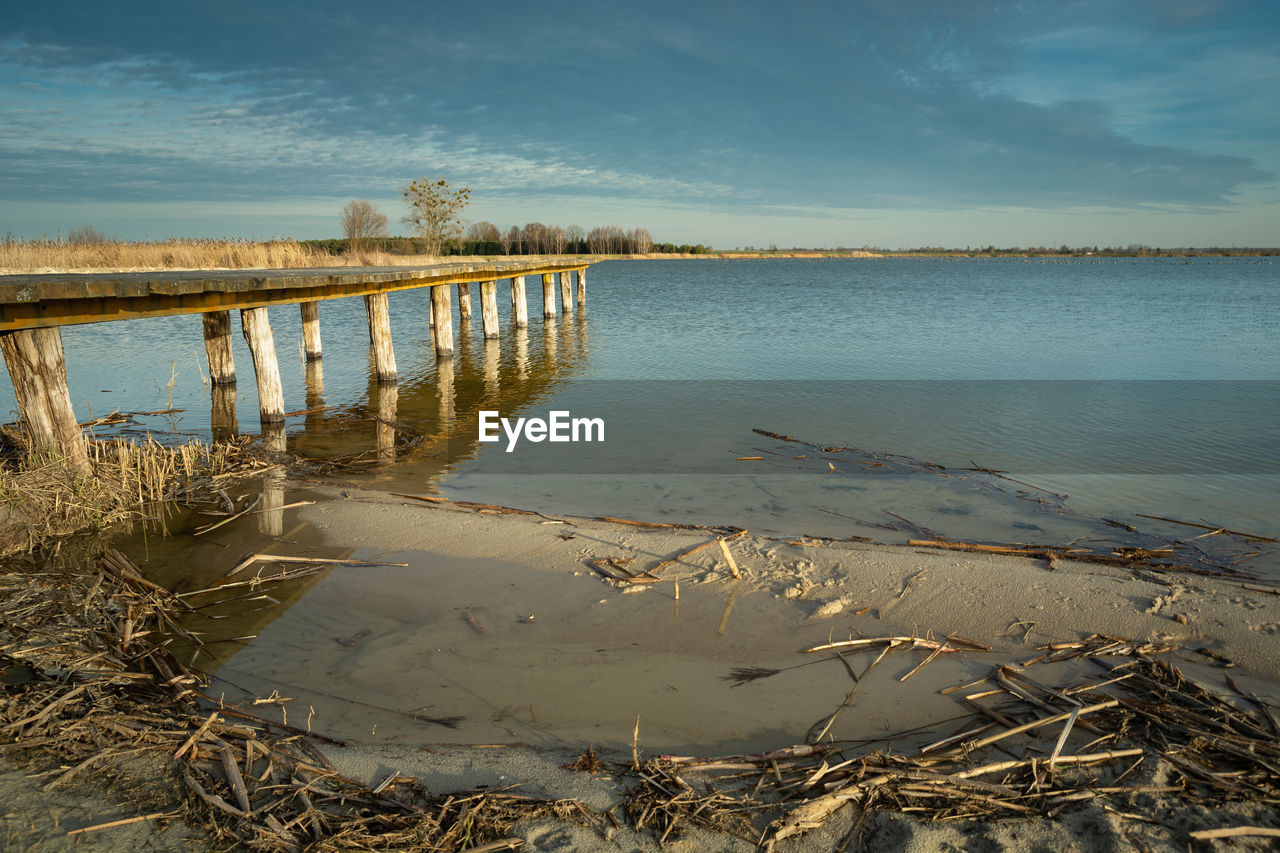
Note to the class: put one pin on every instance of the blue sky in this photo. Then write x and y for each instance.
(895, 124)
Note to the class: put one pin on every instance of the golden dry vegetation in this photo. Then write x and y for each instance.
(50, 256)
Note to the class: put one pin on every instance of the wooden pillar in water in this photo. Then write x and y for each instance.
(519, 303)
(39, 372)
(443, 312)
(311, 329)
(464, 303)
(582, 288)
(489, 308)
(217, 346)
(262, 346)
(384, 356)
(566, 298)
(548, 297)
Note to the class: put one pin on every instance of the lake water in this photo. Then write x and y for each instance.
(1133, 386)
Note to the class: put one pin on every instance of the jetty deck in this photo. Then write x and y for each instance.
(33, 308)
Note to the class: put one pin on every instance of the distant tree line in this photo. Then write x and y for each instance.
(1133, 250)
(485, 238)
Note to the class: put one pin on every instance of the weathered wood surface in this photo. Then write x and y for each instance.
(582, 287)
(311, 330)
(464, 302)
(257, 333)
(519, 303)
(217, 346)
(548, 297)
(384, 356)
(39, 374)
(59, 299)
(489, 308)
(443, 312)
(566, 296)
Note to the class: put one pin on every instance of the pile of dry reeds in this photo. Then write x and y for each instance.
(42, 256)
(98, 686)
(40, 498)
(1025, 749)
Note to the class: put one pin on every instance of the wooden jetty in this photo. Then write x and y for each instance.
(34, 307)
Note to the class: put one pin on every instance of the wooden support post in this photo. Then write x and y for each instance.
(566, 297)
(443, 312)
(311, 329)
(464, 303)
(217, 346)
(489, 308)
(548, 297)
(257, 333)
(39, 372)
(384, 356)
(582, 288)
(519, 303)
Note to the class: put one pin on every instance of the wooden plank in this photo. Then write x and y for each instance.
(582, 287)
(257, 333)
(489, 308)
(217, 347)
(39, 372)
(69, 300)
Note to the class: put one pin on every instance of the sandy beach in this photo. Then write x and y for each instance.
(501, 625)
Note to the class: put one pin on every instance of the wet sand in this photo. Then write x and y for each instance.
(497, 653)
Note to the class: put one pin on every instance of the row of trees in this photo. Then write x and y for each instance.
(435, 215)
(485, 238)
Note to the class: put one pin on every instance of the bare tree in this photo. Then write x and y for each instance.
(558, 240)
(509, 239)
(87, 234)
(644, 242)
(483, 232)
(435, 211)
(535, 237)
(576, 235)
(361, 221)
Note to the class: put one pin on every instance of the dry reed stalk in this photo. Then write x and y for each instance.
(49, 256)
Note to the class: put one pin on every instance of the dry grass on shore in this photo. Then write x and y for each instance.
(50, 256)
(40, 499)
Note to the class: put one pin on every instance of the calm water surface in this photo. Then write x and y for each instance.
(1134, 386)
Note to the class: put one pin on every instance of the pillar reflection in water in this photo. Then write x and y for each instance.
(271, 512)
(551, 339)
(388, 398)
(492, 359)
(445, 392)
(315, 397)
(223, 423)
(521, 349)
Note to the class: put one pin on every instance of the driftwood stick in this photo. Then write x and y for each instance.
(1089, 758)
(235, 779)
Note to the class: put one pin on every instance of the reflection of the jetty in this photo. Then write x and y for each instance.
(432, 412)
